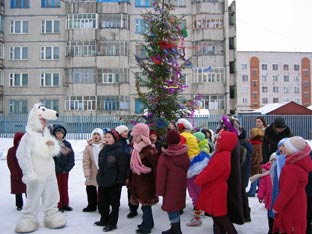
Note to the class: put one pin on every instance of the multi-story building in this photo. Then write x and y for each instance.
(272, 77)
(77, 56)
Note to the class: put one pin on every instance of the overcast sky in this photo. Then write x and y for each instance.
(274, 25)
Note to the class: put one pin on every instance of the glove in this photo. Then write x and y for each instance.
(29, 178)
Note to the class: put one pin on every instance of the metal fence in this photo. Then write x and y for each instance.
(80, 127)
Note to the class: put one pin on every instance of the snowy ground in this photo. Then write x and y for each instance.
(80, 222)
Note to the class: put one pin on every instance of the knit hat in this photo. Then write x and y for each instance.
(294, 144)
(184, 124)
(99, 131)
(121, 128)
(142, 130)
(279, 122)
(173, 137)
(59, 128)
(115, 134)
(199, 136)
(152, 132)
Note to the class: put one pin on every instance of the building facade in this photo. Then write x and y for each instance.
(272, 77)
(77, 56)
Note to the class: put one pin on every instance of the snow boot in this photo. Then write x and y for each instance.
(176, 228)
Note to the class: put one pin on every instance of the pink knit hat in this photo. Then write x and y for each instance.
(143, 131)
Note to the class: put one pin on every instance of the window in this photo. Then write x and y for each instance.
(50, 3)
(114, 21)
(82, 20)
(244, 66)
(50, 53)
(254, 94)
(286, 78)
(286, 99)
(306, 84)
(275, 89)
(286, 89)
(113, 48)
(274, 67)
(1, 50)
(19, 27)
(1, 77)
(264, 66)
(285, 67)
(50, 26)
(275, 100)
(264, 89)
(81, 48)
(18, 53)
(51, 104)
(114, 75)
(140, 26)
(179, 3)
(19, 4)
(305, 72)
(78, 103)
(296, 89)
(213, 102)
(110, 103)
(50, 79)
(1, 23)
(81, 75)
(296, 67)
(143, 3)
(18, 106)
(208, 75)
(139, 106)
(245, 100)
(264, 100)
(244, 77)
(264, 78)
(254, 83)
(275, 78)
(18, 80)
(254, 72)
(244, 89)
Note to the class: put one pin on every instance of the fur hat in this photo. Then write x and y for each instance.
(121, 128)
(173, 137)
(142, 130)
(199, 136)
(279, 122)
(115, 134)
(99, 131)
(59, 128)
(295, 144)
(184, 124)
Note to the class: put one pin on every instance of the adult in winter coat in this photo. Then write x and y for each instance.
(214, 186)
(64, 162)
(16, 174)
(272, 135)
(171, 179)
(291, 203)
(112, 174)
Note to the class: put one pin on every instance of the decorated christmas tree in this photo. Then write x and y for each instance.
(161, 81)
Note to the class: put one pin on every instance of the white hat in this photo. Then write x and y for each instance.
(121, 128)
(184, 124)
(99, 131)
(294, 144)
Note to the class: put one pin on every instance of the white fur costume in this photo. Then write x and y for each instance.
(35, 157)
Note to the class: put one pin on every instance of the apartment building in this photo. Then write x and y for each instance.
(272, 77)
(77, 56)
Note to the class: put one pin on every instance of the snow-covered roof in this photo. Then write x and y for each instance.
(269, 107)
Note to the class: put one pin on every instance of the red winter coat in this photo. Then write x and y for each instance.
(291, 202)
(213, 179)
(265, 187)
(171, 177)
(17, 186)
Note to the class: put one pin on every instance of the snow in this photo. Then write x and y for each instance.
(81, 222)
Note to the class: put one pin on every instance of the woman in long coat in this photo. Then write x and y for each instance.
(17, 185)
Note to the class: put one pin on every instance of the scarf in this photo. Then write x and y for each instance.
(96, 148)
(136, 164)
(291, 159)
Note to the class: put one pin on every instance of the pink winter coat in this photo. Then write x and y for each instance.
(291, 202)
(265, 187)
(213, 179)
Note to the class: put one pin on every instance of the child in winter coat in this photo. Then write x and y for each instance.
(90, 167)
(142, 180)
(214, 186)
(171, 179)
(17, 185)
(291, 204)
(265, 188)
(112, 174)
(185, 128)
(64, 162)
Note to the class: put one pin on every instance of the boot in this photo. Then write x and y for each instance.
(176, 228)
(169, 231)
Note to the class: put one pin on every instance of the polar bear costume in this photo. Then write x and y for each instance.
(35, 157)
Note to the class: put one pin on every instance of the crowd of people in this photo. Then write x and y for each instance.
(214, 167)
